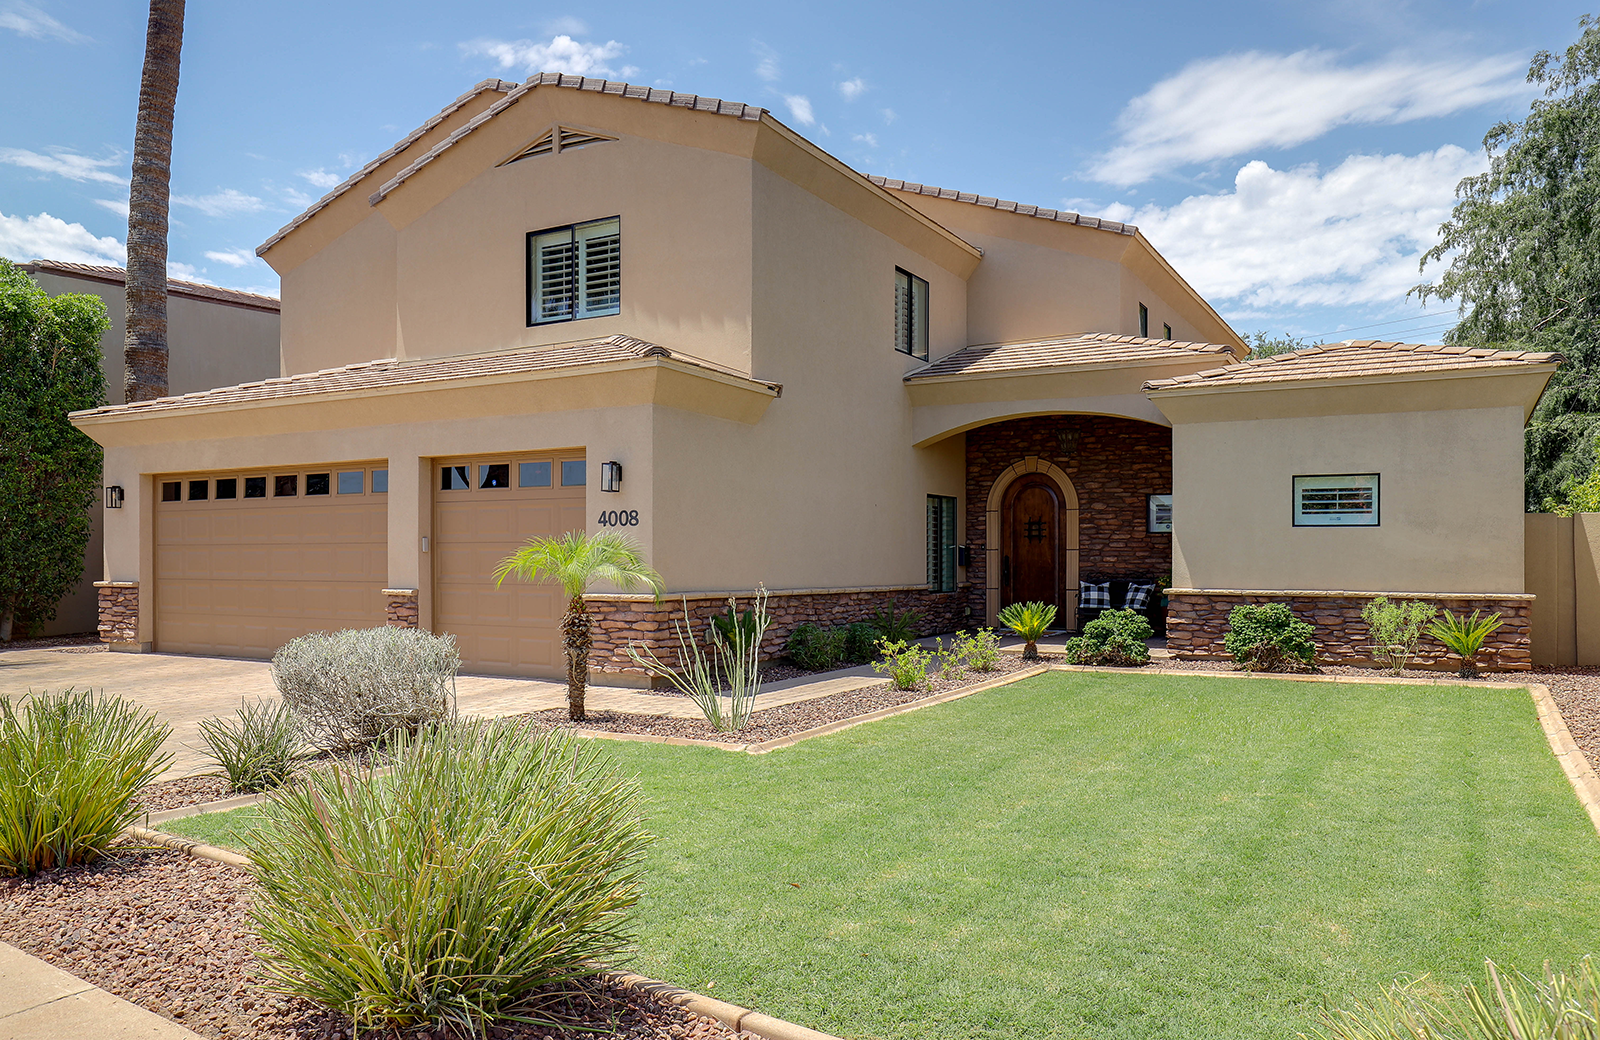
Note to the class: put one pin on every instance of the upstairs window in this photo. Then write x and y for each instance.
(910, 314)
(1166, 331)
(575, 272)
(1144, 321)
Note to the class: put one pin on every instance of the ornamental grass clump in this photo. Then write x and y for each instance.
(1464, 636)
(1116, 637)
(71, 766)
(1396, 629)
(259, 748)
(1511, 1006)
(1030, 621)
(491, 865)
(1267, 636)
(734, 661)
(353, 688)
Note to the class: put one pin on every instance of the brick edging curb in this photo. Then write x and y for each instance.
(740, 1020)
(1585, 783)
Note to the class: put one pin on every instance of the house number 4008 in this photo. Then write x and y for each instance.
(619, 518)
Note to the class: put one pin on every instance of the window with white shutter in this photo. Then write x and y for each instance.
(575, 271)
(1336, 500)
(910, 314)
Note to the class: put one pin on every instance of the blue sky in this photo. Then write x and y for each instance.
(1291, 159)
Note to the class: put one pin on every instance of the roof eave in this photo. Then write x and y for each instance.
(1044, 370)
(1422, 375)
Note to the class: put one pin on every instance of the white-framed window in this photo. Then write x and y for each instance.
(1336, 500)
(1158, 513)
(910, 314)
(575, 271)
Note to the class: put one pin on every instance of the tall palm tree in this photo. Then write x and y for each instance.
(575, 561)
(144, 347)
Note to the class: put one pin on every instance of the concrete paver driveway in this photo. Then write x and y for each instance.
(184, 690)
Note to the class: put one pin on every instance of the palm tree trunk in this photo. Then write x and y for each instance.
(144, 348)
(1030, 651)
(576, 640)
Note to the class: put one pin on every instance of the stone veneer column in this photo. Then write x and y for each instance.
(401, 611)
(1197, 622)
(119, 616)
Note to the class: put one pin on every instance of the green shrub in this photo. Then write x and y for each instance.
(972, 651)
(896, 628)
(490, 862)
(1464, 637)
(1116, 637)
(815, 648)
(71, 764)
(860, 642)
(1030, 621)
(1268, 636)
(1555, 1006)
(1396, 628)
(354, 687)
(736, 630)
(260, 747)
(906, 664)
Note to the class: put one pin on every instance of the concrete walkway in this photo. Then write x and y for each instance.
(184, 690)
(40, 1002)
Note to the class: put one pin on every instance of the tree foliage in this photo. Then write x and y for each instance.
(1265, 344)
(1523, 245)
(49, 471)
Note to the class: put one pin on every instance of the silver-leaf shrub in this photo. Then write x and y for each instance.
(354, 687)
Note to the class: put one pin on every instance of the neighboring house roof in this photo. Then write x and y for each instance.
(499, 85)
(390, 373)
(1064, 216)
(735, 109)
(175, 287)
(1093, 349)
(1352, 359)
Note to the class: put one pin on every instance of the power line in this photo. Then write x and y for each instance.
(1376, 324)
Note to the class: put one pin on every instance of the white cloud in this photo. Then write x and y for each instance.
(186, 273)
(800, 108)
(561, 54)
(232, 257)
(321, 178)
(852, 88)
(63, 163)
(30, 21)
(870, 140)
(889, 116)
(1299, 237)
(1215, 108)
(767, 63)
(43, 237)
(117, 206)
(225, 203)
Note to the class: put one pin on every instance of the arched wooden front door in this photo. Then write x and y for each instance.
(1039, 553)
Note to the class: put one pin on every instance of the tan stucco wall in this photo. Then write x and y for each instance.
(1551, 576)
(1450, 502)
(342, 307)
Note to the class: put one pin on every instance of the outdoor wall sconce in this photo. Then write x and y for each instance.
(1068, 441)
(113, 496)
(610, 476)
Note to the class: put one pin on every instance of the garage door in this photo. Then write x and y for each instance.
(484, 508)
(246, 561)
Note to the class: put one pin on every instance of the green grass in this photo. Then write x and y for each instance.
(1110, 856)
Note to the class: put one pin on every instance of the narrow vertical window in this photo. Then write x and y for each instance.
(575, 272)
(941, 543)
(910, 314)
(1166, 331)
(1144, 320)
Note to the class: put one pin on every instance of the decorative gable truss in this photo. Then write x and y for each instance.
(559, 139)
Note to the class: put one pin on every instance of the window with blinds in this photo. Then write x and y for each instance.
(910, 314)
(575, 271)
(941, 543)
(1337, 500)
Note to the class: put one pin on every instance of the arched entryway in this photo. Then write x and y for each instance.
(1032, 539)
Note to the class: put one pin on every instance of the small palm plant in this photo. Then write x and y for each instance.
(1465, 637)
(1030, 621)
(575, 561)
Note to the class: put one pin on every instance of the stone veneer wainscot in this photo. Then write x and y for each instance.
(119, 614)
(400, 610)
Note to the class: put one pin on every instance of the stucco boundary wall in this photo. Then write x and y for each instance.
(1197, 622)
(619, 619)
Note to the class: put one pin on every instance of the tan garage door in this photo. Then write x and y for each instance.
(247, 561)
(483, 509)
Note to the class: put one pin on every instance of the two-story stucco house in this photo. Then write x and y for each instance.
(574, 303)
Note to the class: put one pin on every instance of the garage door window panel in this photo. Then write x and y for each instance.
(317, 483)
(286, 485)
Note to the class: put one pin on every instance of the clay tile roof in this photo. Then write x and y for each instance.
(736, 109)
(1087, 349)
(175, 287)
(1351, 359)
(499, 85)
(1062, 216)
(389, 373)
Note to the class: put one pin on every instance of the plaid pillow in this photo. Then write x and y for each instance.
(1094, 597)
(1138, 596)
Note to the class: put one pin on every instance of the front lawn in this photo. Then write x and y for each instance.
(1114, 855)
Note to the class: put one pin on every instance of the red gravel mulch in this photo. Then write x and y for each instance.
(83, 643)
(172, 934)
(784, 720)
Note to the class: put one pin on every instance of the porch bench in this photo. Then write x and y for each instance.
(1152, 610)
